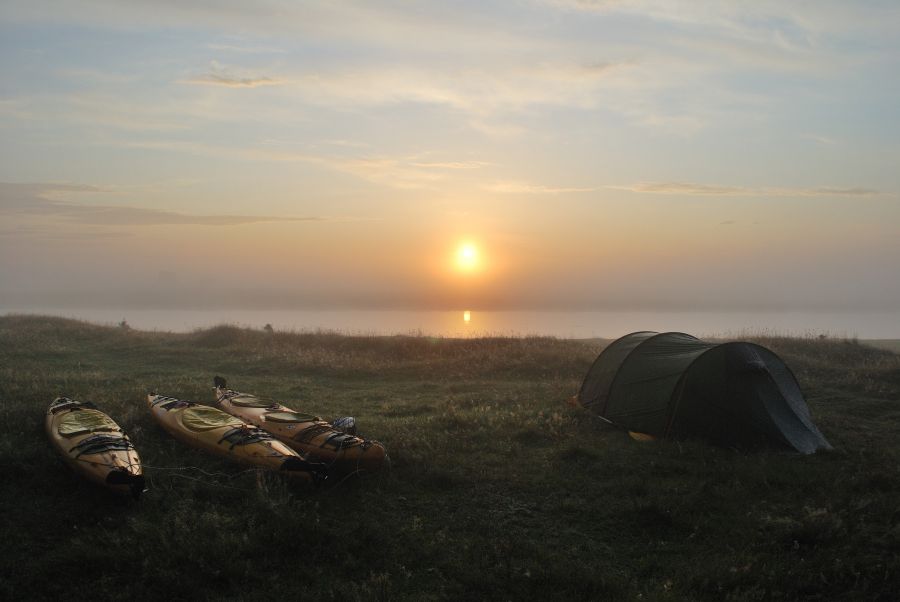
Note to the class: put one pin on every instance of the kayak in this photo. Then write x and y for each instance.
(212, 430)
(343, 452)
(94, 446)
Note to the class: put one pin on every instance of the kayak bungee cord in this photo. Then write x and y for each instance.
(242, 435)
(99, 443)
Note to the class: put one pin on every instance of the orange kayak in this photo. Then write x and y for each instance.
(212, 430)
(94, 446)
(342, 452)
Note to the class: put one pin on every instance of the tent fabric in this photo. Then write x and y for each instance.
(85, 421)
(675, 385)
(596, 384)
(205, 418)
(643, 384)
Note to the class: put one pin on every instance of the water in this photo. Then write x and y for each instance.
(573, 324)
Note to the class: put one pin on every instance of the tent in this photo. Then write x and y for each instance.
(675, 385)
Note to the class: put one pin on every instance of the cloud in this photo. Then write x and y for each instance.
(526, 188)
(50, 233)
(825, 191)
(99, 112)
(247, 49)
(684, 188)
(820, 139)
(221, 79)
(490, 82)
(36, 199)
(95, 76)
(404, 172)
(585, 5)
(452, 164)
(397, 173)
(219, 75)
(695, 189)
(479, 90)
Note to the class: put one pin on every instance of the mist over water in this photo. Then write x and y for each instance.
(563, 324)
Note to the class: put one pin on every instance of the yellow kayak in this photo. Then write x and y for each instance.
(213, 430)
(94, 446)
(342, 452)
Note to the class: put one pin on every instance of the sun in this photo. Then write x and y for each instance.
(467, 257)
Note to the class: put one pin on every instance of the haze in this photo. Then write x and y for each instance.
(630, 154)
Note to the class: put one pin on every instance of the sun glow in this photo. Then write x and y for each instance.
(467, 257)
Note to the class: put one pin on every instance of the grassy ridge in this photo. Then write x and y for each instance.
(888, 344)
(498, 491)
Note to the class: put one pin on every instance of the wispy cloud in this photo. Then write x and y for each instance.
(821, 139)
(509, 187)
(36, 200)
(96, 76)
(840, 191)
(690, 188)
(477, 91)
(684, 188)
(85, 234)
(695, 189)
(397, 173)
(220, 75)
(101, 112)
(246, 48)
(451, 164)
(404, 172)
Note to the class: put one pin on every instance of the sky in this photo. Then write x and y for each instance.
(632, 154)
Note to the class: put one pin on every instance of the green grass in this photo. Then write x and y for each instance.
(497, 490)
(888, 344)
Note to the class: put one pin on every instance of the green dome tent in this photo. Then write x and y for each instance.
(675, 385)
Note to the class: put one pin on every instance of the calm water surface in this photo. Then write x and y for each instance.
(454, 323)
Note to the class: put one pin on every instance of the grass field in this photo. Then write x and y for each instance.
(497, 490)
(888, 344)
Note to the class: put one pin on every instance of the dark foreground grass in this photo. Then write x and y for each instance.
(497, 492)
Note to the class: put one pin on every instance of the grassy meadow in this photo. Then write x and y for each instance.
(497, 491)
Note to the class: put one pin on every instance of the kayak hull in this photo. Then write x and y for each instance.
(94, 446)
(342, 452)
(213, 431)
